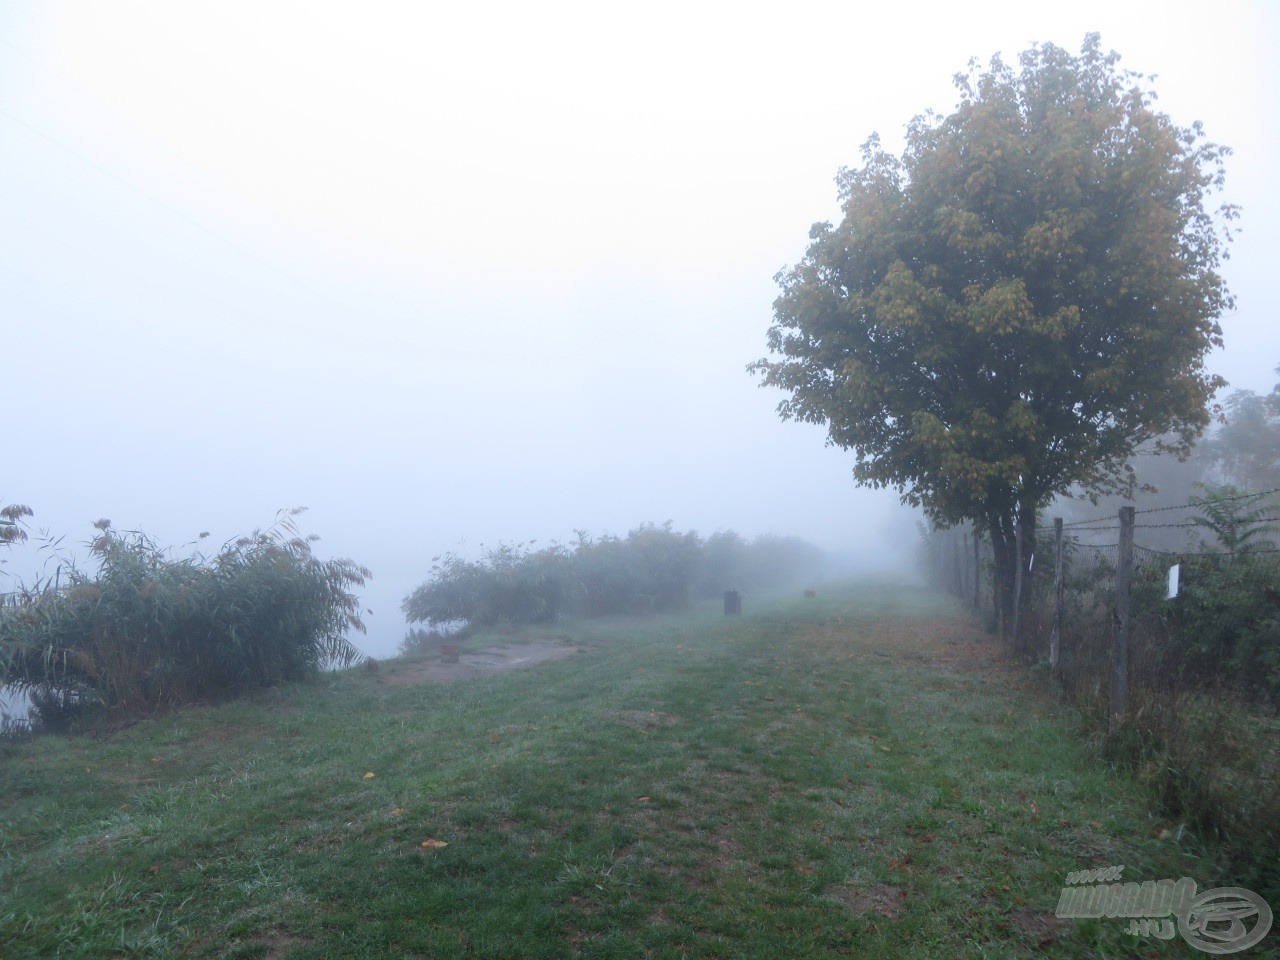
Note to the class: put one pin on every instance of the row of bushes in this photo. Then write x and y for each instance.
(148, 629)
(652, 568)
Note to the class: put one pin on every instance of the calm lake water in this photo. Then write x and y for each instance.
(14, 704)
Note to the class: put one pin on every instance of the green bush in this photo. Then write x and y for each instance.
(1223, 625)
(653, 568)
(507, 583)
(1204, 688)
(149, 629)
(608, 577)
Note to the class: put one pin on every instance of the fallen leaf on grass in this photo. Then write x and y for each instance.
(369, 776)
(643, 800)
(434, 844)
(397, 810)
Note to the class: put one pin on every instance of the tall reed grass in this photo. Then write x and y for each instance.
(148, 629)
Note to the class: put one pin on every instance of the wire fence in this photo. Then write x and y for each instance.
(1202, 610)
(1169, 648)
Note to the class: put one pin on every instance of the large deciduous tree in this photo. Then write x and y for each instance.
(1013, 305)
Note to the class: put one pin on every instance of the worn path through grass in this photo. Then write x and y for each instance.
(857, 775)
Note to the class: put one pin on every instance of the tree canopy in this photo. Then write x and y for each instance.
(1246, 447)
(1016, 302)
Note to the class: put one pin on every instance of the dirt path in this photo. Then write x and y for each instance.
(478, 663)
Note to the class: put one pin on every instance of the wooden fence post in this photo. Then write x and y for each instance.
(1120, 649)
(977, 571)
(957, 567)
(1055, 638)
(1017, 584)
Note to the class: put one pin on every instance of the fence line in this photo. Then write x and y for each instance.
(1170, 656)
(1090, 590)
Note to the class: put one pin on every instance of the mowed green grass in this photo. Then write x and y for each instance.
(857, 775)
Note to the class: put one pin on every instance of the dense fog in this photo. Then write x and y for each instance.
(458, 279)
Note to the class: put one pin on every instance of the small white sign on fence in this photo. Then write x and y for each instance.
(1174, 571)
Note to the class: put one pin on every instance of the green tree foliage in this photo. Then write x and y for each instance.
(150, 629)
(1246, 448)
(1011, 307)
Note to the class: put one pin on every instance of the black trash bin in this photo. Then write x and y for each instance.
(732, 602)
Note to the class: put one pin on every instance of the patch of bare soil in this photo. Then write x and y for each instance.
(1034, 925)
(478, 663)
(884, 900)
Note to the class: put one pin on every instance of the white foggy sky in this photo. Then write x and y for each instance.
(458, 274)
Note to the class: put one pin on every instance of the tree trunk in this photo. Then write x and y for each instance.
(1004, 553)
(1027, 527)
(1008, 563)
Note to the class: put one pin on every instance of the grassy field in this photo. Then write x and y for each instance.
(857, 775)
